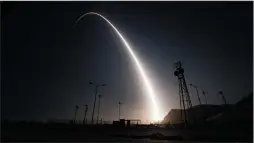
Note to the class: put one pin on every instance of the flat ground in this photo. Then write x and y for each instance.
(109, 133)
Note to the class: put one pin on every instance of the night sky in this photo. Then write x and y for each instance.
(47, 65)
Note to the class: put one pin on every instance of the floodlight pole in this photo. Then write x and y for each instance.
(99, 108)
(75, 115)
(119, 103)
(204, 94)
(96, 89)
(84, 121)
(197, 92)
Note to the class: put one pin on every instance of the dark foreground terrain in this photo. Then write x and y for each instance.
(77, 133)
(233, 124)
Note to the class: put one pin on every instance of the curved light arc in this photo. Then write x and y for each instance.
(147, 82)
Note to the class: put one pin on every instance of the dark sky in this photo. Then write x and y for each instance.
(46, 65)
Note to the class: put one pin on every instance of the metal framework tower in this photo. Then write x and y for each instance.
(185, 101)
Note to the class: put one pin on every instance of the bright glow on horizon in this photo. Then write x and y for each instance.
(156, 115)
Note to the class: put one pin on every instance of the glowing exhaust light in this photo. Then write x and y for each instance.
(147, 83)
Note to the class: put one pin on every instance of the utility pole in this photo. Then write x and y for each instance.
(99, 108)
(204, 94)
(75, 115)
(96, 89)
(197, 92)
(86, 108)
(119, 103)
(223, 97)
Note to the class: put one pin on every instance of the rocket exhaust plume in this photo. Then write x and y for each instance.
(156, 110)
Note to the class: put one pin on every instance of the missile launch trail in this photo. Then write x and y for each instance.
(156, 116)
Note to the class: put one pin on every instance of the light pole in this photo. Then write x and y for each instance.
(86, 108)
(96, 89)
(197, 92)
(99, 108)
(75, 115)
(119, 103)
(204, 94)
(223, 97)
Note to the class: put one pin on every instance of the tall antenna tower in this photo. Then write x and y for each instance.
(185, 101)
